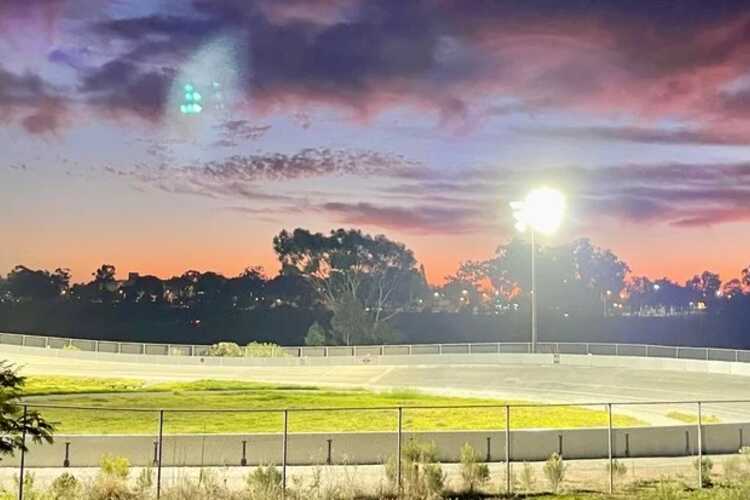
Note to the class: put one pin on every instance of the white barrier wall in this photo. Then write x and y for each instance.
(376, 447)
(599, 360)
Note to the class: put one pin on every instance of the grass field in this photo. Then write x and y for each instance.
(225, 396)
(692, 418)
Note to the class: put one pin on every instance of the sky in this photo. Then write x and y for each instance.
(420, 120)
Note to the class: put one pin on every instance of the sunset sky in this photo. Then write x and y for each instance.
(417, 119)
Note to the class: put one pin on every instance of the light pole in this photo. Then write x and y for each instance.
(541, 212)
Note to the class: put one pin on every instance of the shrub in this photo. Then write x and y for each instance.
(619, 469)
(705, 465)
(665, 490)
(473, 473)
(109, 487)
(422, 477)
(29, 488)
(733, 468)
(145, 481)
(65, 487)
(117, 467)
(264, 483)
(316, 335)
(225, 349)
(554, 471)
(527, 478)
(264, 350)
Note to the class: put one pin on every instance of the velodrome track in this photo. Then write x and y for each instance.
(538, 382)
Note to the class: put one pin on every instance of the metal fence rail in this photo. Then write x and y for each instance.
(512, 439)
(199, 350)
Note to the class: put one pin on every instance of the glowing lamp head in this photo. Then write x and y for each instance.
(542, 210)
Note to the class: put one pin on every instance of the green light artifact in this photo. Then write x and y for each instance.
(192, 105)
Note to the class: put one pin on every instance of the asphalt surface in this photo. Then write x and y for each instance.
(552, 383)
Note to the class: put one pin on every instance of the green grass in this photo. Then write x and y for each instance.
(690, 418)
(232, 395)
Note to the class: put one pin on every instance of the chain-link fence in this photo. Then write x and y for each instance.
(601, 446)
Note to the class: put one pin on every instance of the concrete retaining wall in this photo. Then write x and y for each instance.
(376, 447)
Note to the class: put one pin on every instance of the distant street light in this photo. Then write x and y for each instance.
(541, 212)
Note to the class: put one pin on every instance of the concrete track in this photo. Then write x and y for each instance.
(545, 383)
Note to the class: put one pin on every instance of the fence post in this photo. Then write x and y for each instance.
(507, 449)
(700, 445)
(609, 448)
(23, 453)
(284, 452)
(398, 449)
(160, 447)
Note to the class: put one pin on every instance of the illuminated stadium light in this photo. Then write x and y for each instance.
(542, 212)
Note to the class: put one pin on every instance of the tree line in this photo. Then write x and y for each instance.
(363, 281)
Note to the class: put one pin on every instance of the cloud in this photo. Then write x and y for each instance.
(671, 193)
(235, 132)
(241, 175)
(645, 135)
(421, 219)
(120, 87)
(451, 59)
(38, 105)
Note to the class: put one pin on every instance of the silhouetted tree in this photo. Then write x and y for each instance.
(348, 267)
(104, 282)
(246, 290)
(705, 287)
(143, 289)
(27, 284)
(290, 288)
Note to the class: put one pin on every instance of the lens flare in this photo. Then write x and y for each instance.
(542, 210)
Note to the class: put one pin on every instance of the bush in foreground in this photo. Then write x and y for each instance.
(473, 473)
(554, 471)
(421, 474)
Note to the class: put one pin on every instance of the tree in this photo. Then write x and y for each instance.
(705, 287)
(27, 284)
(210, 287)
(144, 289)
(349, 270)
(746, 277)
(246, 290)
(462, 292)
(350, 323)
(732, 288)
(292, 289)
(13, 423)
(599, 269)
(104, 282)
(105, 274)
(316, 335)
